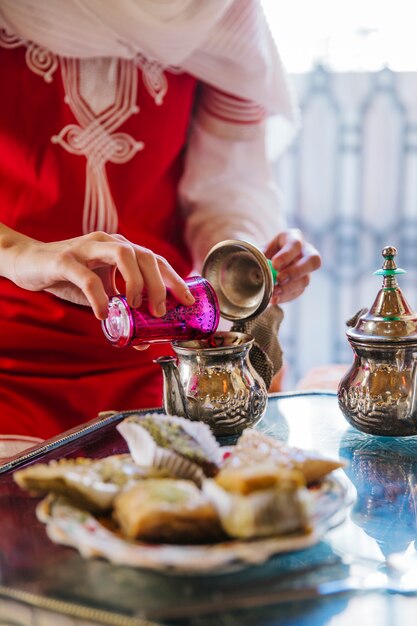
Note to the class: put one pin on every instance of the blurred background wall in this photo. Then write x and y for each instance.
(349, 179)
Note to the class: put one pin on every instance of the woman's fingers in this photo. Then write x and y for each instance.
(177, 285)
(285, 248)
(105, 256)
(155, 286)
(82, 270)
(302, 265)
(107, 275)
(290, 291)
(127, 263)
(295, 260)
(140, 269)
(157, 274)
(87, 282)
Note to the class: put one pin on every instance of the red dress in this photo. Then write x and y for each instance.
(57, 370)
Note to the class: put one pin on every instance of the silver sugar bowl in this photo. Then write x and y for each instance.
(378, 395)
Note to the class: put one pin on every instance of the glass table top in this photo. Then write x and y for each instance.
(381, 520)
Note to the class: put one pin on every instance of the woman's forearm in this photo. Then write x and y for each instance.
(11, 245)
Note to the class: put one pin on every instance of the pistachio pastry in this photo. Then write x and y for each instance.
(192, 441)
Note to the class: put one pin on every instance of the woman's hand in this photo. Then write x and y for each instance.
(82, 270)
(294, 259)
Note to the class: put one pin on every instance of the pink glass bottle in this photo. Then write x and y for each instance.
(126, 326)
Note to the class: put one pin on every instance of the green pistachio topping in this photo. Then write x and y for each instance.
(170, 435)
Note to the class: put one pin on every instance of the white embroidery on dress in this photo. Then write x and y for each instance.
(153, 77)
(40, 60)
(116, 81)
(102, 95)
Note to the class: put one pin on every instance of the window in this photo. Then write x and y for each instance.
(353, 35)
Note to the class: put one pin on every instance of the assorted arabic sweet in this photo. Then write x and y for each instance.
(166, 510)
(254, 448)
(91, 483)
(259, 501)
(184, 448)
(261, 489)
(178, 486)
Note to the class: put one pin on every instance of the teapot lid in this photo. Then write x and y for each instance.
(390, 318)
(242, 277)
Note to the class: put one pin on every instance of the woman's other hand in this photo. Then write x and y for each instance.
(294, 259)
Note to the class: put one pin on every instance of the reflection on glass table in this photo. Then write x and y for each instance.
(384, 473)
(381, 520)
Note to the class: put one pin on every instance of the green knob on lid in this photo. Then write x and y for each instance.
(273, 271)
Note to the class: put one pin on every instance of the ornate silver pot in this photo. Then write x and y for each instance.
(378, 395)
(212, 380)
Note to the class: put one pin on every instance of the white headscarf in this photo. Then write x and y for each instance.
(225, 43)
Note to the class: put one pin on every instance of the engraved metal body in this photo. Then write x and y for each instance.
(378, 394)
(213, 381)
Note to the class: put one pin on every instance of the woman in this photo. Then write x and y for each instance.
(131, 139)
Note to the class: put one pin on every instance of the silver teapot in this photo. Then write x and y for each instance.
(213, 381)
(378, 395)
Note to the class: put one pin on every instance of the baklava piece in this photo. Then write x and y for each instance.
(255, 448)
(166, 511)
(259, 501)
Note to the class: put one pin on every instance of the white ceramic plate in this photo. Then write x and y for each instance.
(71, 526)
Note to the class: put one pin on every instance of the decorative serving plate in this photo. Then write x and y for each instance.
(71, 526)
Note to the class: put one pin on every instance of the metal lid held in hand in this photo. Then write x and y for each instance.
(242, 277)
(390, 318)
